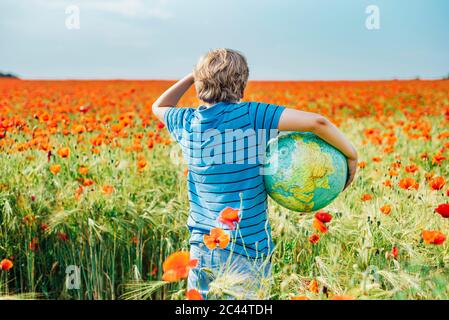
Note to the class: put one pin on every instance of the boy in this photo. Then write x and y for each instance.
(221, 142)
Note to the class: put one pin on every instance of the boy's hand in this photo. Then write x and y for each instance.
(352, 169)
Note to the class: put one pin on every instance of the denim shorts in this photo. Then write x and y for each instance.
(221, 274)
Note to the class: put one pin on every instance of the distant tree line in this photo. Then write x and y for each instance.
(7, 75)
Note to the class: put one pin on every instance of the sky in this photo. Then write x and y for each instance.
(282, 39)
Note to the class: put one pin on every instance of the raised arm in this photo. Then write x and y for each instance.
(171, 97)
(294, 120)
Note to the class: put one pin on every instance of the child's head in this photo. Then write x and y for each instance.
(221, 76)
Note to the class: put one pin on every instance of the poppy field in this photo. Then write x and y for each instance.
(90, 179)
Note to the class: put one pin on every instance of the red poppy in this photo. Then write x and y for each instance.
(54, 169)
(323, 216)
(408, 184)
(229, 217)
(437, 183)
(29, 219)
(193, 294)
(319, 226)
(64, 152)
(6, 264)
(107, 189)
(314, 238)
(386, 209)
(62, 236)
(177, 266)
(88, 182)
(438, 158)
(443, 135)
(392, 173)
(443, 210)
(154, 271)
(394, 252)
(216, 238)
(367, 197)
(34, 244)
(433, 237)
(313, 286)
(78, 129)
(83, 170)
(387, 183)
(411, 168)
(141, 164)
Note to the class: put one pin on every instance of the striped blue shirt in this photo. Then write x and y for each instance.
(224, 147)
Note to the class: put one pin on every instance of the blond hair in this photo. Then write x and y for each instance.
(221, 75)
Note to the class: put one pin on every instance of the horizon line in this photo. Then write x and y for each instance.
(417, 78)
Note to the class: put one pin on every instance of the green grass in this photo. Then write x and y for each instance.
(119, 241)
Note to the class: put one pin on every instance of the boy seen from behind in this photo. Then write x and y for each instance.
(223, 142)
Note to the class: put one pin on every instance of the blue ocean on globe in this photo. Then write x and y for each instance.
(304, 173)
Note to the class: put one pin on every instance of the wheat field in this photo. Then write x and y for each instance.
(88, 178)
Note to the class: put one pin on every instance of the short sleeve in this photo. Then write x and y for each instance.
(265, 117)
(175, 121)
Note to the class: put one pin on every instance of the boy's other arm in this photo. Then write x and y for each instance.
(295, 120)
(171, 97)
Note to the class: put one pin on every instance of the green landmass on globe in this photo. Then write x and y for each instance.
(304, 173)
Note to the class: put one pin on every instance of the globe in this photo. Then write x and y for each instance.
(302, 172)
